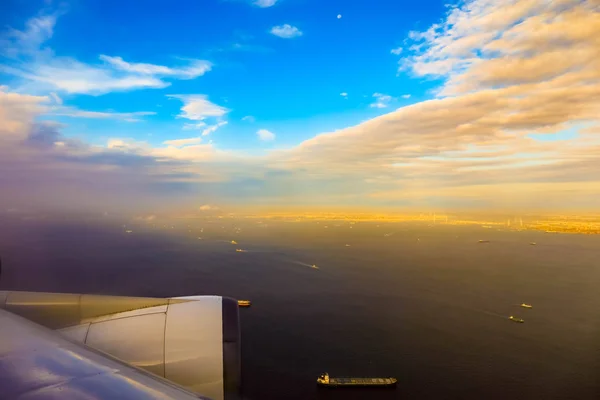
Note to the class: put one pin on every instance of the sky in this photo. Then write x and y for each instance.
(300, 105)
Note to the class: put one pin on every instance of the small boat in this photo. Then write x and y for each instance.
(233, 242)
(240, 250)
(244, 303)
(515, 319)
(314, 266)
(532, 243)
(484, 241)
(128, 231)
(524, 305)
(326, 381)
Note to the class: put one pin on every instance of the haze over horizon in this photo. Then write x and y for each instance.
(480, 106)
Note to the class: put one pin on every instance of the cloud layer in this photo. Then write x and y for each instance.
(514, 125)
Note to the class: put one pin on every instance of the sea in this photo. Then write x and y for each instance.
(423, 302)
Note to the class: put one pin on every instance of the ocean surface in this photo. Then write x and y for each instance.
(425, 303)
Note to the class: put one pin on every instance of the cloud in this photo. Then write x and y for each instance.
(183, 142)
(213, 128)
(208, 207)
(16, 110)
(77, 113)
(344, 95)
(474, 146)
(381, 100)
(286, 31)
(37, 31)
(71, 76)
(249, 118)
(339, 16)
(406, 96)
(396, 51)
(264, 3)
(265, 135)
(39, 69)
(56, 98)
(199, 125)
(197, 107)
(478, 144)
(195, 69)
(484, 45)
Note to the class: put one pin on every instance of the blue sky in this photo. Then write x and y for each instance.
(290, 86)
(298, 103)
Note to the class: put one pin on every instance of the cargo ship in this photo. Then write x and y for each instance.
(325, 381)
(524, 305)
(244, 303)
(515, 319)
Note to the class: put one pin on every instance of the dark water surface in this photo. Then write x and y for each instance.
(426, 304)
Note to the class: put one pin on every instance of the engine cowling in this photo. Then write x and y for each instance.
(192, 341)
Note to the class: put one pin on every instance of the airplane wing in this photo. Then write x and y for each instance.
(58, 345)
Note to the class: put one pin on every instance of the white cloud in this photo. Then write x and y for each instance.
(183, 142)
(286, 31)
(77, 113)
(339, 16)
(406, 96)
(37, 31)
(249, 118)
(197, 107)
(264, 3)
(56, 98)
(195, 69)
(396, 51)
(40, 70)
(213, 128)
(265, 135)
(381, 100)
(199, 125)
(344, 95)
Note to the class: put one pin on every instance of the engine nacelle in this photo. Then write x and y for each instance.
(192, 341)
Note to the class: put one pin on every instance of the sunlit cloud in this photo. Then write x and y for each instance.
(515, 120)
(208, 207)
(183, 142)
(197, 107)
